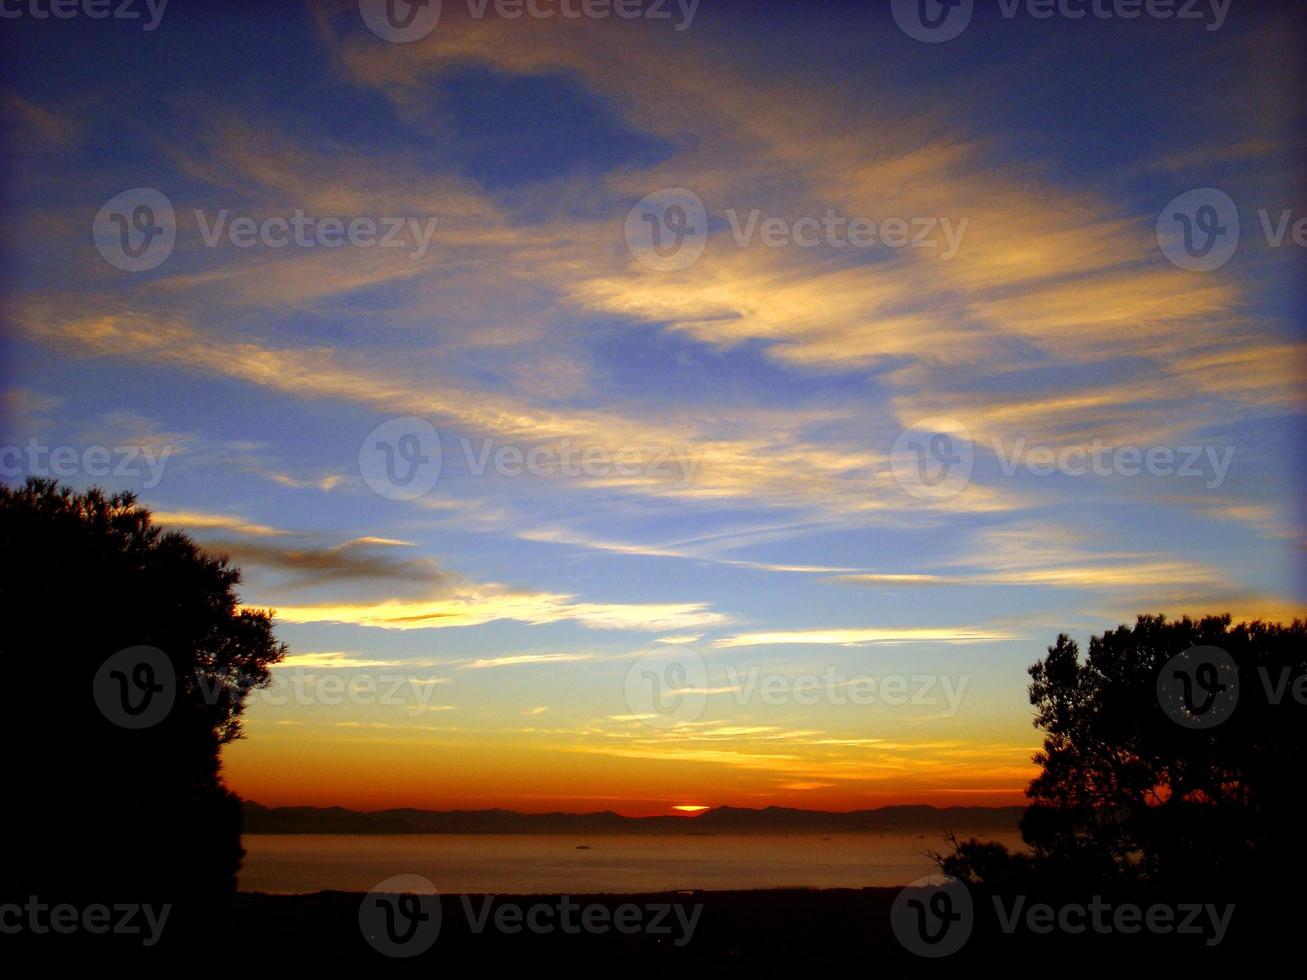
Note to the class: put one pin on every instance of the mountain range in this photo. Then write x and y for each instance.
(718, 820)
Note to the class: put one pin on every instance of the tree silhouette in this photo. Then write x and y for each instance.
(1137, 790)
(103, 804)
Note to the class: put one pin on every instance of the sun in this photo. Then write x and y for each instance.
(690, 808)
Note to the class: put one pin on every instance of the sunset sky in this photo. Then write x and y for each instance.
(746, 416)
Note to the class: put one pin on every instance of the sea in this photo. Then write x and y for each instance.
(588, 864)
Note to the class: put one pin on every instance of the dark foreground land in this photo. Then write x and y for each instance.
(778, 933)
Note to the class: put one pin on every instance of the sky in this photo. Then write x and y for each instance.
(724, 407)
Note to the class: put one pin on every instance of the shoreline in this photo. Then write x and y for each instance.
(596, 895)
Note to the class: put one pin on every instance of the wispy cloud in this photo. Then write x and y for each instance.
(867, 636)
(476, 605)
(189, 519)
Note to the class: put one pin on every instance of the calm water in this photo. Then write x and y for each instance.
(537, 863)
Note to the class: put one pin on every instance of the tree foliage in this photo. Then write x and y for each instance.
(1126, 794)
(94, 808)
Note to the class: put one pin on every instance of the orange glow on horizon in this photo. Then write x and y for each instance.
(295, 772)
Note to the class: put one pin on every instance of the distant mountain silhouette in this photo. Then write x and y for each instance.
(720, 820)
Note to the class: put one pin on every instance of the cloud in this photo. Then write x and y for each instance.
(559, 536)
(752, 455)
(1094, 576)
(865, 636)
(26, 411)
(347, 661)
(200, 520)
(33, 130)
(526, 659)
(324, 484)
(474, 605)
(351, 561)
